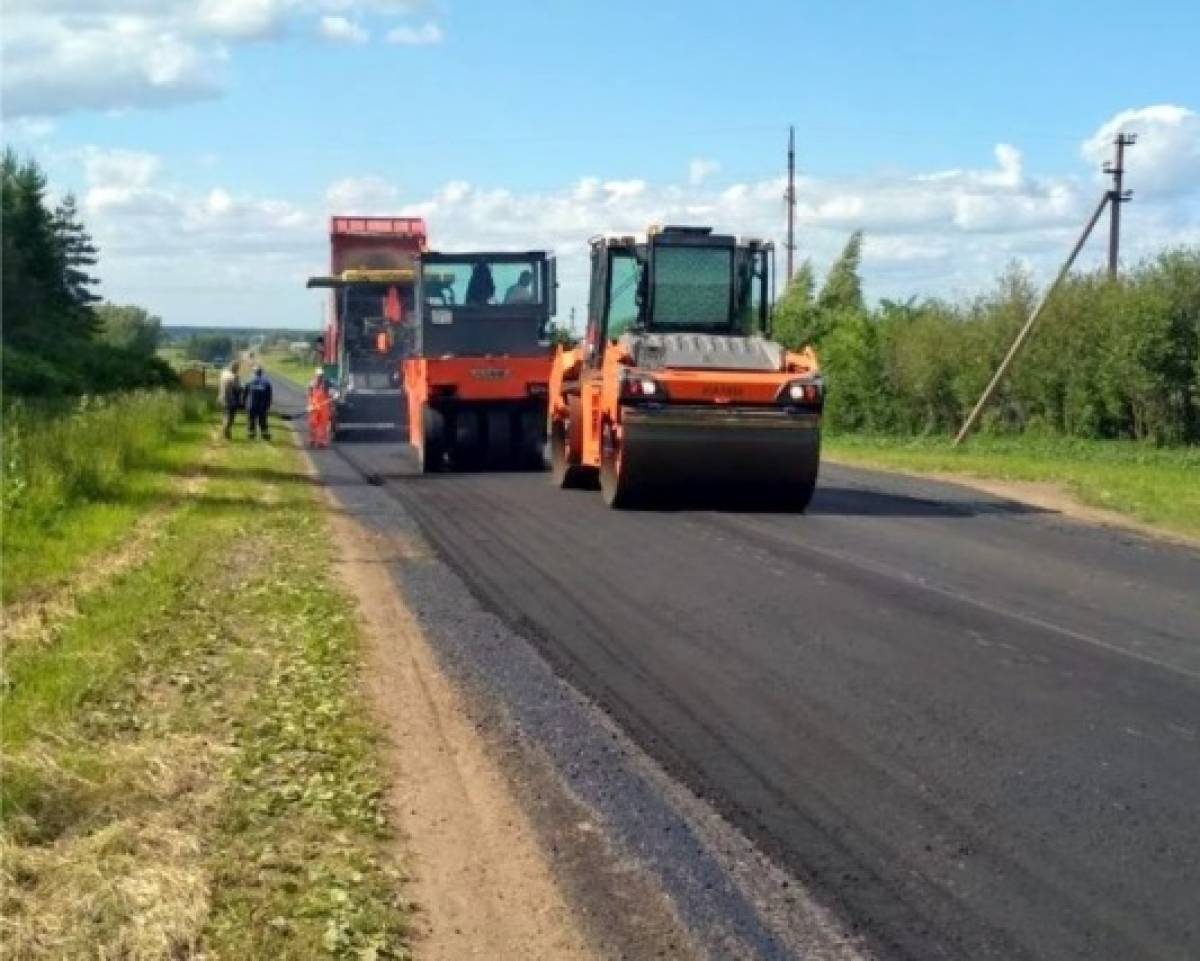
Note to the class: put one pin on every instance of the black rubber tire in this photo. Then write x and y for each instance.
(615, 485)
(531, 443)
(566, 442)
(432, 452)
(467, 443)
(499, 437)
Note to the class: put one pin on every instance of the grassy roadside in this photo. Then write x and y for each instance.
(1160, 486)
(188, 767)
(75, 481)
(287, 364)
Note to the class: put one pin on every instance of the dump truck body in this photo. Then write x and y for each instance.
(478, 375)
(373, 272)
(677, 388)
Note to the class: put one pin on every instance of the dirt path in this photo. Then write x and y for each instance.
(481, 883)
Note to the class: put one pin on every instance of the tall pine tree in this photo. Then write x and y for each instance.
(79, 255)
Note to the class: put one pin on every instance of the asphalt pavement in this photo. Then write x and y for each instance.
(970, 728)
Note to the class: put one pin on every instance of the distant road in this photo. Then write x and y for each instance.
(973, 729)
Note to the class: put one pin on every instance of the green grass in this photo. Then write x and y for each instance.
(287, 364)
(1160, 486)
(76, 478)
(188, 766)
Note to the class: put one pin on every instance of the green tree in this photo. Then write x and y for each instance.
(842, 289)
(209, 348)
(795, 311)
(79, 254)
(35, 295)
(129, 328)
(50, 326)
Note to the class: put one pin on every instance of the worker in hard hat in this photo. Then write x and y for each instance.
(320, 410)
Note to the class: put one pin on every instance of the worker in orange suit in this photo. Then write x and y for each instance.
(320, 410)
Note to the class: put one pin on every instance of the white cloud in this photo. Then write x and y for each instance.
(944, 232)
(1166, 158)
(361, 195)
(241, 19)
(699, 170)
(29, 128)
(69, 55)
(342, 30)
(423, 36)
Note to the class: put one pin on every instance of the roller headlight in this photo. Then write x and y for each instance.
(635, 386)
(806, 391)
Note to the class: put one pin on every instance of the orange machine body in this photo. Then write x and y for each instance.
(653, 404)
(478, 377)
(485, 380)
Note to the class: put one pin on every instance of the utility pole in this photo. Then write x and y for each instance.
(791, 200)
(1033, 317)
(1117, 196)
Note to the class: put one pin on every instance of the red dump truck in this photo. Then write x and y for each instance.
(372, 277)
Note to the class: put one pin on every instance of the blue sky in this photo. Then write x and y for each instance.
(209, 140)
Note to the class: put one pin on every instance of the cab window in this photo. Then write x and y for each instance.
(623, 276)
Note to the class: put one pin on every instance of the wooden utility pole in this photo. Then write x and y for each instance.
(1034, 315)
(1117, 196)
(791, 200)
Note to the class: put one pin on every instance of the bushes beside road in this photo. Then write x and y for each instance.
(1109, 359)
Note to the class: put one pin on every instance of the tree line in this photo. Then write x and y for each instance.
(58, 339)
(1110, 357)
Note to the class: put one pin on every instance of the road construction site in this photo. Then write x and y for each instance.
(918, 721)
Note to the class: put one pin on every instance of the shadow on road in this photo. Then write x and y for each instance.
(857, 501)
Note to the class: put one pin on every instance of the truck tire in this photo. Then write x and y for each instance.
(432, 451)
(499, 438)
(531, 443)
(467, 444)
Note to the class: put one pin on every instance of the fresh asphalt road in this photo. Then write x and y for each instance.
(972, 729)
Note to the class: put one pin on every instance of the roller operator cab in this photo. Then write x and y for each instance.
(677, 386)
(478, 376)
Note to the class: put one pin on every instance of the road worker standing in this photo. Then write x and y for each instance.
(229, 395)
(320, 410)
(258, 404)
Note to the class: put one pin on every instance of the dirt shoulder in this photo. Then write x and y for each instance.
(481, 883)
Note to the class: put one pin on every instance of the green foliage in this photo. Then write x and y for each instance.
(560, 334)
(795, 312)
(129, 328)
(209, 348)
(58, 454)
(51, 329)
(1109, 358)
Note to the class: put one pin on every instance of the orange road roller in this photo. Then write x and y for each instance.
(478, 377)
(677, 389)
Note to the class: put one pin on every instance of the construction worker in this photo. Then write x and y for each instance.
(258, 404)
(522, 291)
(229, 396)
(320, 409)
